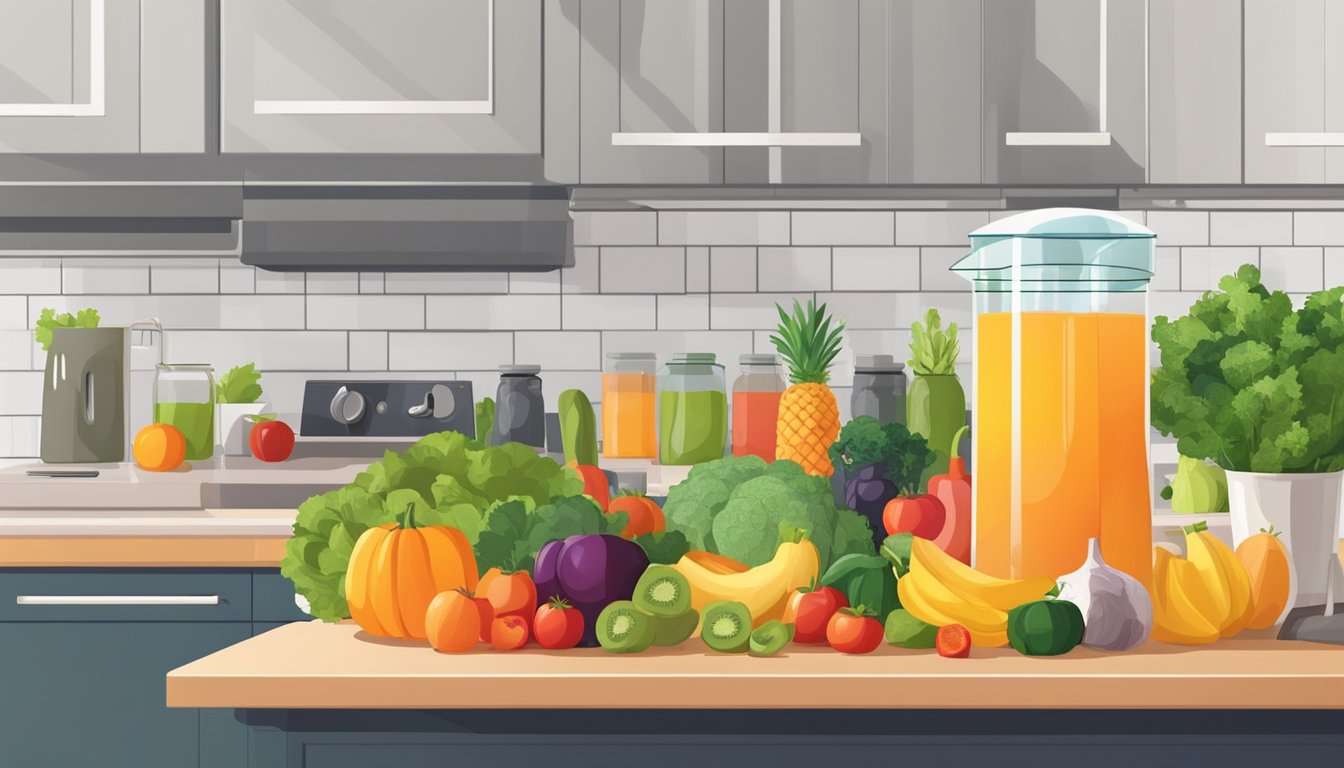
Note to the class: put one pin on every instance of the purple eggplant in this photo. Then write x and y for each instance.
(590, 571)
(867, 491)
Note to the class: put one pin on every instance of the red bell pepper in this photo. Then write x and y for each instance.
(954, 491)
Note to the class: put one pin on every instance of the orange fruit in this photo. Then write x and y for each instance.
(159, 448)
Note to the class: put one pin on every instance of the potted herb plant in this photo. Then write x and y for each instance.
(237, 396)
(1258, 387)
(935, 406)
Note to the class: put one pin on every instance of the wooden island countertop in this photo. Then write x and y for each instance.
(316, 665)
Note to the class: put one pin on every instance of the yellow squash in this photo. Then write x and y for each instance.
(1184, 613)
(1224, 576)
(1265, 559)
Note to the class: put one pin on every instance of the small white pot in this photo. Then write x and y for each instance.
(232, 428)
(1306, 508)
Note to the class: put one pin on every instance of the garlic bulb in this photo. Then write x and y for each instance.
(1117, 612)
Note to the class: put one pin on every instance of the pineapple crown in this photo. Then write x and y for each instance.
(932, 351)
(808, 339)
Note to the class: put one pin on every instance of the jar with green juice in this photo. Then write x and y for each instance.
(692, 409)
(184, 397)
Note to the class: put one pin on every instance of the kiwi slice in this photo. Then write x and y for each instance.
(770, 638)
(663, 591)
(623, 628)
(674, 630)
(727, 626)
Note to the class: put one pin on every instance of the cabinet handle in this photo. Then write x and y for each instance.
(735, 139)
(1304, 139)
(117, 600)
(1057, 139)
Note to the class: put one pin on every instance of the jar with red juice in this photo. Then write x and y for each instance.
(756, 405)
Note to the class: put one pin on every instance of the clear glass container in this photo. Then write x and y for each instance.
(756, 405)
(1061, 392)
(520, 408)
(692, 409)
(629, 415)
(879, 388)
(184, 397)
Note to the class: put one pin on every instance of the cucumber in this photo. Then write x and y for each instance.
(578, 427)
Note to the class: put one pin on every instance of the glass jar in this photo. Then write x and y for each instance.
(756, 406)
(184, 397)
(879, 388)
(692, 409)
(629, 426)
(1061, 392)
(520, 409)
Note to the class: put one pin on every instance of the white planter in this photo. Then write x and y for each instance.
(1306, 507)
(232, 428)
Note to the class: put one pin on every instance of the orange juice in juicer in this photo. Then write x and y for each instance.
(1060, 451)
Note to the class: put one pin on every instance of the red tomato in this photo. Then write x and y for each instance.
(854, 630)
(510, 594)
(645, 516)
(487, 612)
(557, 625)
(271, 441)
(810, 611)
(508, 634)
(921, 515)
(953, 641)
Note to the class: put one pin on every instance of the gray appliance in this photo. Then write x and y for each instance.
(84, 396)
(386, 408)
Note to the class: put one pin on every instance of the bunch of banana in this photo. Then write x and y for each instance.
(1203, 596)
(940, 590)
(764, 589)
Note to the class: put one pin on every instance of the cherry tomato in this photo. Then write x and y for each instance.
(810, 611)
(508, 634)
(271, 441)
(854, 630)
(953, 641)
(510, 594)
(557, 625)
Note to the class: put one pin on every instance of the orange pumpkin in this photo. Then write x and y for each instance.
(643, 514)
(396, 569)
(1267, 563)
(452, 622)
(159, 448)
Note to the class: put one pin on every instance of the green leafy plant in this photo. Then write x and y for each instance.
(1251, 383)
(241, 384)
(903, 454)
(933, 351)
(48, 321)
(485, 418)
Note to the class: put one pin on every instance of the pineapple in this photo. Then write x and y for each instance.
(809, 418)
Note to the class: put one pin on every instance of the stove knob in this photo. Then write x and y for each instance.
(439, 402)
(347, 407)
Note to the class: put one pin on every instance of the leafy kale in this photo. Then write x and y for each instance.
(49, 321)
(903, 454)
(1252, 384)
(515, 535)
(240, 384)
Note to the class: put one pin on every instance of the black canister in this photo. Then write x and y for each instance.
(879, 388)
(520, 409)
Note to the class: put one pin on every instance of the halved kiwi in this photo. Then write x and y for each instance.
(623, 628)
(727, 626)
(770, 638)
(674, 630)
(663, 591)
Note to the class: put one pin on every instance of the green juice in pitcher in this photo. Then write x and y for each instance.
(196, 422)
(694, 426)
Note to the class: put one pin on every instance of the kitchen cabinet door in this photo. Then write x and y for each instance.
(69, 76)
(373, 76)
(1064, 97)
(934, 84)
(1294, 91)
(92, 693)
(1194, 81)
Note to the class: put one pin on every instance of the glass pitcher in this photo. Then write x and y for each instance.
(1061, 392)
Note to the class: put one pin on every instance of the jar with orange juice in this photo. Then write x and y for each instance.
(1061, 392)
(629, 394)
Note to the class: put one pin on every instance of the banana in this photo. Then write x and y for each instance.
(1223, 574)
(972, 585)
(940, 598)
(914, 601)
(1181, 607)
(764, 589)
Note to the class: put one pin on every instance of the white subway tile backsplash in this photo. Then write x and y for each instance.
(20, 436)
(586, 274)
(1179, 227)
(331, 282)
(559, 350)
(842, 228)
(1166, 269)
(184, 276)
(534, 282)
(697, 269)
(952, 308)
(14, 311)
(279, 282)
(371, 282)
(270, 350)
(23, 392)
(188, 312)
(596, 313)
(366, 312)
(236, 277)
(1318, 228)
(368, 351)
(732, 270)
(935, 269)
(104, 276)
(793, 269)
(643, 270)
(1294, 270)
(723, 228)
(493, 313)
(938, 227)
(1251, 228)
(745, 311)
(862, 310)
(1202, 268)
(446, 282)
(16, 350)
(25, 276)
(1334, 267)
(615, 227)
(875, 269)
(687, 312)
(449, 351)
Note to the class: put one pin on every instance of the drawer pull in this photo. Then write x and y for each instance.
(1305, 139)
(735, 139)
(117, 600)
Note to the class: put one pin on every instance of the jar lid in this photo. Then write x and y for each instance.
(694, 358)
(630, 356)
(758, 359)
(877, 364)
(520, 369)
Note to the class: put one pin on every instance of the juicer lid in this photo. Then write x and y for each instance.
(1065, 223)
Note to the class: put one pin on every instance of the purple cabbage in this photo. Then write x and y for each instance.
(590, 571)
(867, 491)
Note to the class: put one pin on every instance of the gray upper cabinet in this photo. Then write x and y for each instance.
(381, 76)
(1194, 68)
(1064, 97)
(1294, 91)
